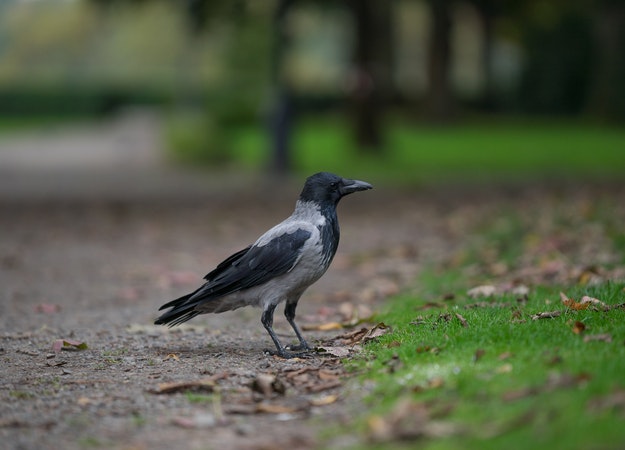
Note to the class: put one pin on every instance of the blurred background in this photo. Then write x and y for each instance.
(405, 91)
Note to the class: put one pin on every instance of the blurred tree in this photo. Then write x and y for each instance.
(488, 11)
(281, 120)
(607, 92)
(439, 96)
(371, 77)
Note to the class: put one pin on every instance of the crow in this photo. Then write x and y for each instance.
(278, 267)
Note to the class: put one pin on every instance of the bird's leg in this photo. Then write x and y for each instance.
(289, 313)
(267, 321)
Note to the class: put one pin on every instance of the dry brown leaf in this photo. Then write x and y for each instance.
(546, 315)
(320, 387)
(594, 301)
(324, 400)
(431, 305)
(84, 401)
(478, 354)
(327, 375)
(268, 385)
(364, 335)
(271, 408)
(572, 304)
(579, 327)
(323, 327)
(206, 385)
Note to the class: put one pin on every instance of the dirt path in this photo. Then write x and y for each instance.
(97, 272)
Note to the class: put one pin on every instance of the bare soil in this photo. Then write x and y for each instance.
(97, 271)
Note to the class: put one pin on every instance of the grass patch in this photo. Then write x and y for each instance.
(501, 380)
(474, 151)
(458, 372)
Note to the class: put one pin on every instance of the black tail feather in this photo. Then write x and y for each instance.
(181, 311)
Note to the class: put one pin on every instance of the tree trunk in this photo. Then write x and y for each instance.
(281, 120)
(372, 68)
(439, 97)
(607, 94)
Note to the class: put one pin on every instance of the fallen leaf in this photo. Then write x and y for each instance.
(486, 290)
(339, 352)
(267, 385)
(272, 408)
(324, 400)
(578, 327)
(206, 385)
(320, 387)
(462, 320)
(572, 304)
(364, 335)
(431, 305)
(478, 354)
(84, 401)
(172, 356)
(606, 337)
(327, 375)
(593, 301)
(68, 344)
(546, 315)
(323, 327)
(506, 368)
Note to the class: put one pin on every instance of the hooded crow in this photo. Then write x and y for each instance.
(278, 267)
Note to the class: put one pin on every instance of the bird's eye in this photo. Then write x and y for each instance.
(334, 184)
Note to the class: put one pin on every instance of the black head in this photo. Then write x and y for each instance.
(324, 187)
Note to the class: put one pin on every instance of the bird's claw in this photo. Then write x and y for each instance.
(303, 347)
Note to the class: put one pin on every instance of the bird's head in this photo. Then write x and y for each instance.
(324, 187)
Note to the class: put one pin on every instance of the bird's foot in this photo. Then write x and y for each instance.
(301, 347)
(284, 353)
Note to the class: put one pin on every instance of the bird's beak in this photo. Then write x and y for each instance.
(349, 186)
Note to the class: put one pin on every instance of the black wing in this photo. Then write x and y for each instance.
(254, 265)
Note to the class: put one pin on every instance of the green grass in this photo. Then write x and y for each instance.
(489, 375)
(504, 380)
(472, 151)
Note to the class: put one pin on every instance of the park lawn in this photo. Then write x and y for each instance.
(522, 368)
(483, 150)
(461, 375)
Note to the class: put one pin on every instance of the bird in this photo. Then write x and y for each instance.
(278, 267)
